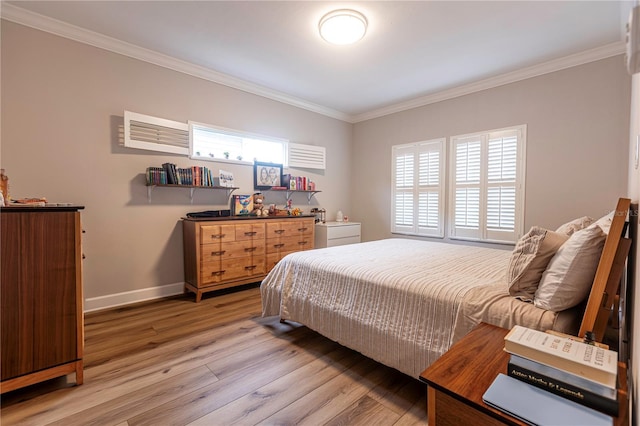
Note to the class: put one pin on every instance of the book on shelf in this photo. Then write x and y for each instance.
(582, 359)
(297, 183)
(575, 388)
(535, 406)
(169, 174)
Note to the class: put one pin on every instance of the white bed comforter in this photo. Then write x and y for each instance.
(393, 300)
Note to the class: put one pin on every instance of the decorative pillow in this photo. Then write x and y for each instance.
(570, 273)
(529, 259)
(605, 222)
(575, 225)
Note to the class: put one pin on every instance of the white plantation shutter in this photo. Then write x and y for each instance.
(488, 185)
(502, 181)
(418, 189)
(467, 183)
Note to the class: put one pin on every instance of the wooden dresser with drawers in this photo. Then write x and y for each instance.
(232, 251)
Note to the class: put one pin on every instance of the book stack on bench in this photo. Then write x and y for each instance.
(563, 377)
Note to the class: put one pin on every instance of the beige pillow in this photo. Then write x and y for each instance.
(605, 222)
(575, 225)
(570, 273)
(529, 259)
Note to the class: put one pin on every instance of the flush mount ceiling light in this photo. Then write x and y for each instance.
(343, 26)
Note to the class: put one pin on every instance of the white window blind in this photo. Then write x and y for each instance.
(418, 188)
(155, 134)
(487, 195)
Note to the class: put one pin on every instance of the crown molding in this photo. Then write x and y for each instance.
(40, 22)
(576, 59)
(27, 18)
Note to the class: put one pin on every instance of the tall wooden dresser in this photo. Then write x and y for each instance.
(231, 251)
(41, 295)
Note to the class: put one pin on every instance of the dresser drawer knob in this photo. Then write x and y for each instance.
(302, 243)
(218, 253)
(302, 229)
(251, 267)
(279, 231)
(250, 234)
(218, 236)
(248, 249)
(278, 245)
(217, 273)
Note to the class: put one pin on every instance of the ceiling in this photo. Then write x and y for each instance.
(414, 52)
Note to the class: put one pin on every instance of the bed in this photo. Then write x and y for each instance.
(404, 302)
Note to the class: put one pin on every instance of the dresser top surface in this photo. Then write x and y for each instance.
(34, 209)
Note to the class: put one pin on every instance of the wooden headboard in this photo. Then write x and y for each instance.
(609, 273)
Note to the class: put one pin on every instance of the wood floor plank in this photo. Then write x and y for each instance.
(265, 400)
(207, 399)
(321, 404)
(399, 393)
(218, 362)
(365, 412)
(120, 409)
(415, 415)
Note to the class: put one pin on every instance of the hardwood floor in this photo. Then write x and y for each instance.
(218, 362)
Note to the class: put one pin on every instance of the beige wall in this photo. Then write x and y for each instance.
(577, 136)
(62, 103)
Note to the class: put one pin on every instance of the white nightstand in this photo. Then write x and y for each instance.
(332, 234)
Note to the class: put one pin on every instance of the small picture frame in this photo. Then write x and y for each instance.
(225, 179)
(266, 175)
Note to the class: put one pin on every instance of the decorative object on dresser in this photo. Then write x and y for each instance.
(330, 234)
(241, 205)
(228, 253)
(41, 313)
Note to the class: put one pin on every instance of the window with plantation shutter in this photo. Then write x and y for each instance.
(418, 188)
(487, 191)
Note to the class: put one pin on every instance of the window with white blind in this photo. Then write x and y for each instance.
(487, 185)
(418, 188)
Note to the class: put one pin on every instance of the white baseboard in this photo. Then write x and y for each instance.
(119, 299)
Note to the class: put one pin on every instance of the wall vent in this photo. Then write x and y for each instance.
(306, 156)
(155, 134)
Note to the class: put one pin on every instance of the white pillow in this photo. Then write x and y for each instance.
(570, 273)
(529, 259)
(575, 225)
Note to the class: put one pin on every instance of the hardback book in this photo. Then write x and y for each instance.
(567, 385)
(581, 359)
(535, 406)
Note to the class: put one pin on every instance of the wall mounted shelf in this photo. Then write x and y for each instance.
(192, 189)
(290, 192)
